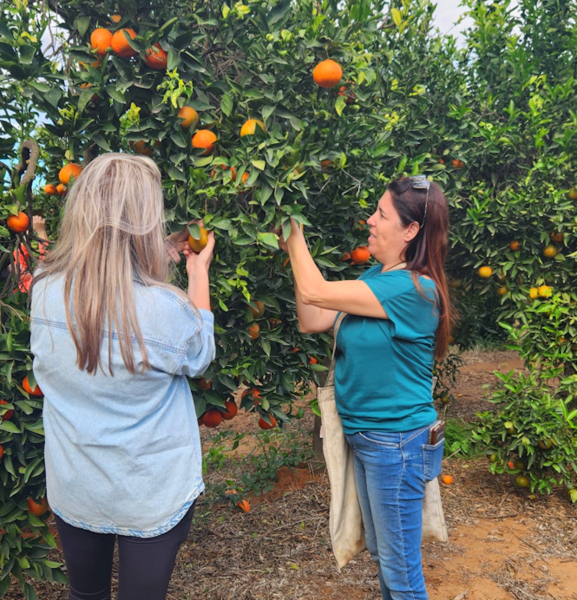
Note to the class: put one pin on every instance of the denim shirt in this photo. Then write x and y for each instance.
(122, 452)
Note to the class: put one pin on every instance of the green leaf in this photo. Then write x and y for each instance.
(115, 94)
(268, 239)
(340, 105)
(396, 16)
(226, 104)
(98, 139)
(9, 426)
(27, 54)
(82, 25)
(259, 164)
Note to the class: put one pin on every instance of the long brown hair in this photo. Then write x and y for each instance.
(112, 234)
(426, 252)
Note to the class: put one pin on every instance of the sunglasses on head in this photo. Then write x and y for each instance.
(418, 182)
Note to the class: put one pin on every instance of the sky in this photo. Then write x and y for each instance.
(447, 13)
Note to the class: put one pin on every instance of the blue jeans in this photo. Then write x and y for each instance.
(391, 470)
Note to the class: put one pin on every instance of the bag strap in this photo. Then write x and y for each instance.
(331, 376)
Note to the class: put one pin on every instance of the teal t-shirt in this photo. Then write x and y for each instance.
(384, 367)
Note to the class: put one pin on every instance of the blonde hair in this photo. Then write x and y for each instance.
(112, 233)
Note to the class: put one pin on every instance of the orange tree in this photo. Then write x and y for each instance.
(514, 242)
(491, 121)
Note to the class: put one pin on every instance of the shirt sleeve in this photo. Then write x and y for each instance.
(200, 347)
(412, 312)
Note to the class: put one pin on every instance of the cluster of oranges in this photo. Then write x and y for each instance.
(550, 251)
(67, 172)
(102, 40)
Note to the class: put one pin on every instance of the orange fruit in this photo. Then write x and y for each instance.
(33, 392)
(189, 117)
(249, 127)
(120, 45)
(348, 95)
(203, 384)
(441, 161)
(545, 444)
(244, 505)
(254, 331)
(254, 393)
(37, 508)
(519, 464)
(557, 236)
(515, 246)
(545, 291)
(94, 64)
(231, 410)
(204, 138)
(327, 73)
(511, 465)
(68, 171)
(313, 361)
(265, 424)
(115, 18)
(458, 164)
(573, 193)
(502, 290)
(8, 414)
(533, 293)
(50, 189)
(550, 251)
(100, 40)
(198, 244)
(485, 272)
(360, 255)
(257, 312)
(521, 481)
(156, 58)
(18, 223)
(212, 418)
(140, 147)
(447, 479)
(61, 189)
(326, 164)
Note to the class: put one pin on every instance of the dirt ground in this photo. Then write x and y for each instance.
(504, 544)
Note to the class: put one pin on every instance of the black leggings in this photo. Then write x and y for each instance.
(144, 564)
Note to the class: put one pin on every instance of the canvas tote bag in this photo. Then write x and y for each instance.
(345, 521)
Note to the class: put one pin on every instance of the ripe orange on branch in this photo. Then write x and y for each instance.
(33, 392)
(120, 45)
(212, 418)
(68, 171)
(545, 291)
(254, 331)
(258, 311)
(360, 255)
(37, 508)
(18, 223)
(197, 245)
(100, 40)
(249, 127)
(140, 147)
(231, 410)
(485, 272)
(50, 189)
(550, 251)
(156, 58)
(327, 74)
(204, 138)
(557, 236)
(61, 189)
(265, 425)
(189, 117)
(8, 414)
(515, 246)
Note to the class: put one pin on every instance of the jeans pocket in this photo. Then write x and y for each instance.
(433, 460)
(381, 438)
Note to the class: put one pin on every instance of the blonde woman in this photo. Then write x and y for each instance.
(113, 343)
